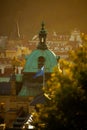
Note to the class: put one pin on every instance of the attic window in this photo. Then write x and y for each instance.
(41, 61)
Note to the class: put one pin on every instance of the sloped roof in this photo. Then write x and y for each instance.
(39, 99)
(28, 91)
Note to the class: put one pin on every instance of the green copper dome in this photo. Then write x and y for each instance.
(32, 60)
(41, 56)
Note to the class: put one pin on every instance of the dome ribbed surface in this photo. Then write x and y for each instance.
(32, 60)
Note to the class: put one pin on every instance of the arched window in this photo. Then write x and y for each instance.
(41, 61)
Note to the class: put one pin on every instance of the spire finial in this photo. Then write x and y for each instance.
(43, 24)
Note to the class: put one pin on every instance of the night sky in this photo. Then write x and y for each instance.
(58, 15)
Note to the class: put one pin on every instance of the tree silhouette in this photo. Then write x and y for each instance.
(66, 91)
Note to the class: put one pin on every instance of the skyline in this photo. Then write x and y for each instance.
(58, 15)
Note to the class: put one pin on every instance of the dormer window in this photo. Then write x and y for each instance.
(41, 62)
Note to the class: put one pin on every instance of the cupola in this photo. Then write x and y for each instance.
(42, 38)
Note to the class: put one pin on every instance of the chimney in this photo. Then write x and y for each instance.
(19, 70)
(13, 85)
(2, 71)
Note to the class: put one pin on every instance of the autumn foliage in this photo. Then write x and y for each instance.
(66, 95)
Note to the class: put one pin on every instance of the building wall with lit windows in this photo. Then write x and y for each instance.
(60, 43)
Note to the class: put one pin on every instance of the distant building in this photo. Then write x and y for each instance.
(61, 44)
(18, 89)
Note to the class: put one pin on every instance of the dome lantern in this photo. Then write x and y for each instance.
(42, 38)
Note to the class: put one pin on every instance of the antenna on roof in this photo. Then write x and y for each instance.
(18, 29)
